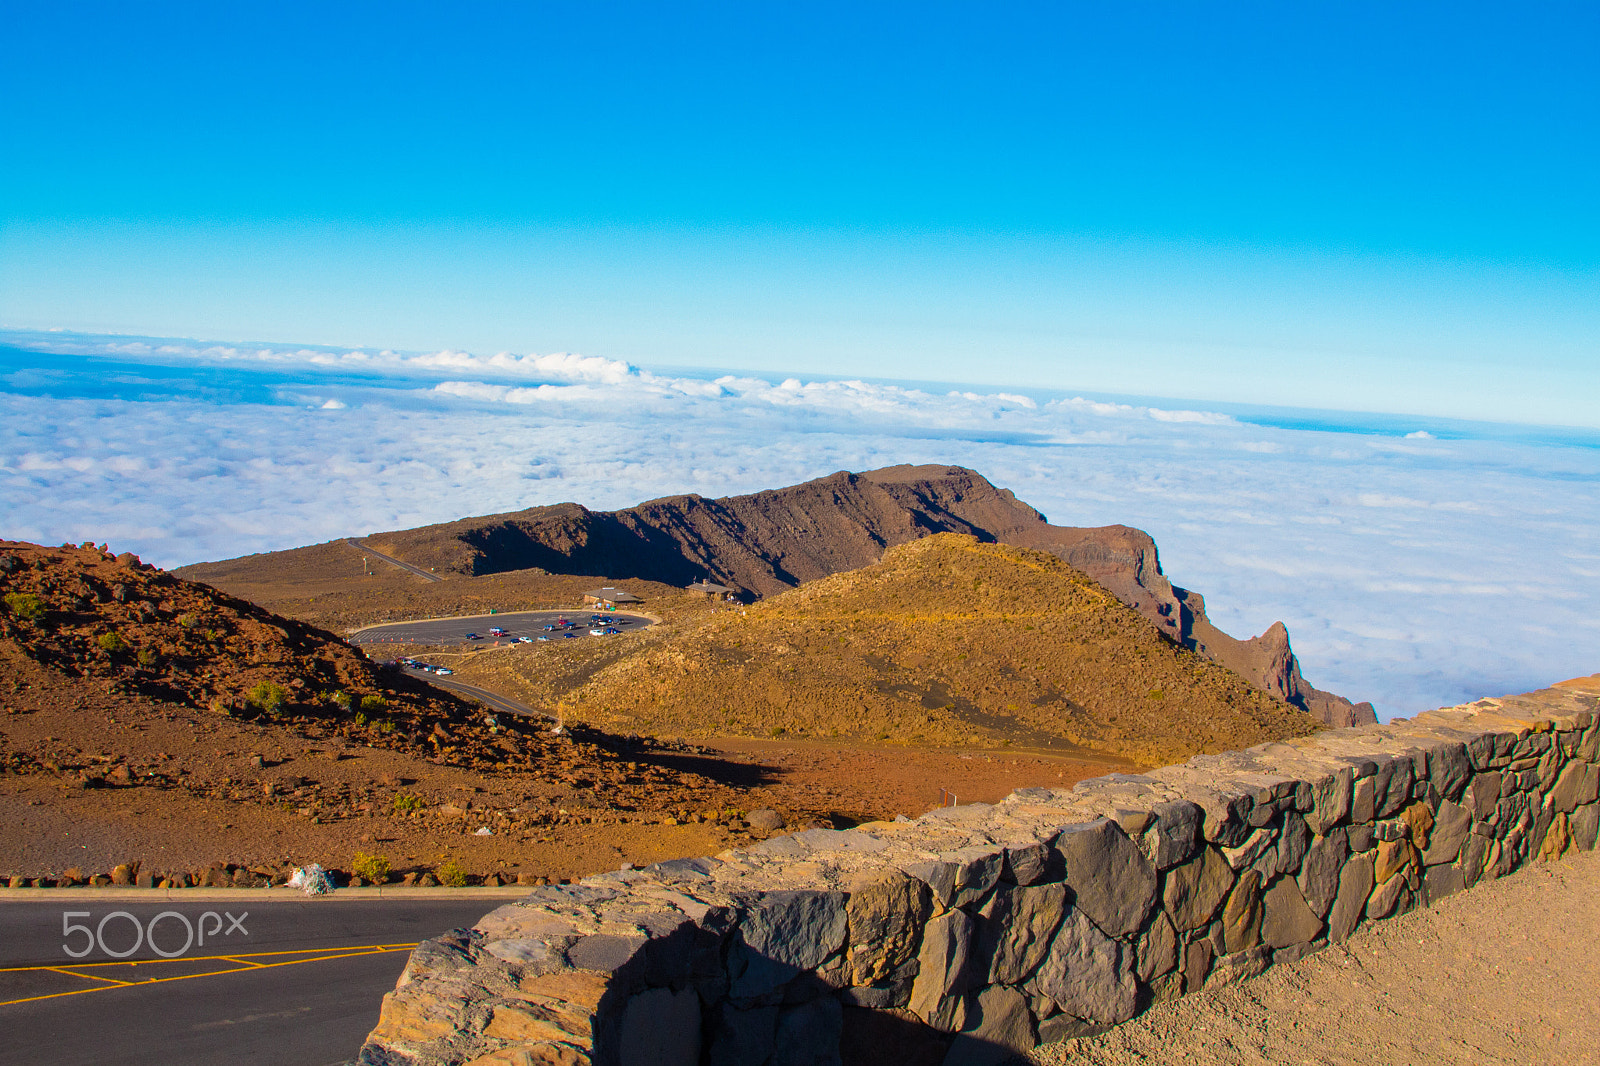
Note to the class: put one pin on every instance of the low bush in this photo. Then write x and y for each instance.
(451, 875)
(405, 803)
(268, 697)
(25, 606)
(374, 868)
(374, 704)
(111, 642)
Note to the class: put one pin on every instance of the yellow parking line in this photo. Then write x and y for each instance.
(87, 976)
(241, 965)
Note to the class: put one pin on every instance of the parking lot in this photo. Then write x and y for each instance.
(531, 627)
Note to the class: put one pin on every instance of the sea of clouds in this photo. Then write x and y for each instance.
(1416, 562)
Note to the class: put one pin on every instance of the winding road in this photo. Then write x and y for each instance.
(426, 575)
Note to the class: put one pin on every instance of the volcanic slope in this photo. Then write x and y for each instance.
(946, 640)
(102, 633)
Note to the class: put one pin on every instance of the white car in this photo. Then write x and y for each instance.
(444, 670)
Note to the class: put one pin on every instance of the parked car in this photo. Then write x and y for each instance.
(473, 636)
(497, 632)
(443, 670)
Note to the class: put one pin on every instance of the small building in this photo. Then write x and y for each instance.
(609, 598)
(711, 591)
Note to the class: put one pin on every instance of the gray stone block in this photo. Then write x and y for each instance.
(1319, 874)
(1157, 951)
(1569, 787)
(884, 922)
(1015, 928)
(1473, 852)
(1363, 800)
(940, 877)
(1086, 973)
(998, 1026)
(1242, 914)
(1350, 903)
(781, 934)
(1442, 881)
(1330, 800)
(1175, 833)
(1585, 823)
(1383, 900)
(1396, 791)
(977, 871)
(1193, 891)
(660, 1027)
(1293, 841)
(1245, 855)
(942, 968)
(1114, 883)
(1197, 958)
(1027, 865)
(1452, 824)
(1361, 837)
(1287, 920)
(1449, 768)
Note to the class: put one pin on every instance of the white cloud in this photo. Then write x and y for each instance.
(1413, 576)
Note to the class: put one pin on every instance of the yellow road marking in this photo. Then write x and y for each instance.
(241, 964)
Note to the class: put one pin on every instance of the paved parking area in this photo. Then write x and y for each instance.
(530, 624)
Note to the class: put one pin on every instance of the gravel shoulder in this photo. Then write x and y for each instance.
(1503, 974)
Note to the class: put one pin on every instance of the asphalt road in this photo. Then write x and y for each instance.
(426, 575)
(516, 624)
(279, 982)
(482, 695)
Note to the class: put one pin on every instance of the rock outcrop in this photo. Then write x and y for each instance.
(1125, 561)
(976, 932)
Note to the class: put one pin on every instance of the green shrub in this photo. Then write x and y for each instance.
(374, 868)
(374, 704)
(148, 657)
(451, 875)
(406, 803)
(386, 726)
(25, 606)
(268, 697)
(111, 642)
(185, 620)
(340, 699)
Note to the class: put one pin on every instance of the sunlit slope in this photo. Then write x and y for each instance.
(945, 641)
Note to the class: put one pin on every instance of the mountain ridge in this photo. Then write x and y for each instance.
(767, 542)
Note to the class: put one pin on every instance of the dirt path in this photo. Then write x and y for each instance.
(1503, 974)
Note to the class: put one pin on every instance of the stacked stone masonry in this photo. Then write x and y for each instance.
(974, 932)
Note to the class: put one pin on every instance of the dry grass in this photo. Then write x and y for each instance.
(946, 641)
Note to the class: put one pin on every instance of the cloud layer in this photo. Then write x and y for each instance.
(1411, 569)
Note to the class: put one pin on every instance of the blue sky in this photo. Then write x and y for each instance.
(1352, 206)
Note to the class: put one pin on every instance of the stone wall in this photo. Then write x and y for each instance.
(974, 931)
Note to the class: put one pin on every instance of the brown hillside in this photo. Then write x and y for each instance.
(88, 626)
(947, 640)
(766, 542)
